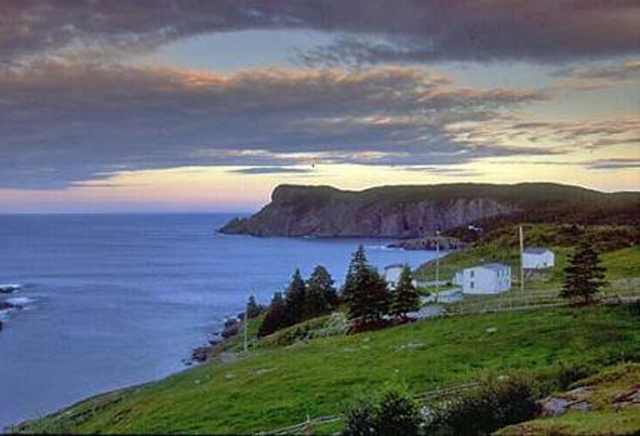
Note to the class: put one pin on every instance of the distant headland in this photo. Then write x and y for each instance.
(421, 211)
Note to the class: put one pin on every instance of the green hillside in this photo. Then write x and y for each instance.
(619, 245)
(549, 201)
(272, 387)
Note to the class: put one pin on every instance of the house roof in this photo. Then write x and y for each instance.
(536, 250)
(394, 265)
(494, 266)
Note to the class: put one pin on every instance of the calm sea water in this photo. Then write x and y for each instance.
(112, 300)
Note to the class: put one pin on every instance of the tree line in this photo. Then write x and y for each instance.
(367, 297)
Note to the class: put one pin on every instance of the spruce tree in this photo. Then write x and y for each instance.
(405, 296)
(321, 296)
(275, 319)
(253, 309)
(295, 296)
(584, 276)
(365, 291)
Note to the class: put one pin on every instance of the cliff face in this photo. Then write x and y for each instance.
(418, 211)
(328, 212)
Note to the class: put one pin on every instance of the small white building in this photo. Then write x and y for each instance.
(447, 296)
(392, 273)
(538, 258)
(488, 278)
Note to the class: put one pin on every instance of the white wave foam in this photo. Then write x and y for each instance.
(10, 287)
(20, 301)
(379, 247)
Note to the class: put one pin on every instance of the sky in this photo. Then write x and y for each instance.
(206, 106)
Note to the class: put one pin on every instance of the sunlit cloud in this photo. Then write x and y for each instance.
(97, 120)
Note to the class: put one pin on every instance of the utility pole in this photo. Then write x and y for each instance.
(246, 319)
(437, 265)
(521, 260)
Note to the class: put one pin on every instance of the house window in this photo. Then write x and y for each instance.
(472, 272)
(471, 285)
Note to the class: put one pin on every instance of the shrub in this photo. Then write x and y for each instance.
(360, 420)
(395, 414)
(569, 373)
(495, 404)
(634, 308)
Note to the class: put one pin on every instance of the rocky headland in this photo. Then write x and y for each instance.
(410, 212)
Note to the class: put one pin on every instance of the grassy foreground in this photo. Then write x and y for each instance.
(275, 387)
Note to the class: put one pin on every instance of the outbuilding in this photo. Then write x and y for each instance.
(538, 258)
(392, 273)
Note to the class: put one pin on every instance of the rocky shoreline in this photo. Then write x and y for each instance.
(216, 342)
(429, 243)
(6, 306)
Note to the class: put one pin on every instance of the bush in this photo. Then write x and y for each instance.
(569, 373)
(360, 420)
(634, 308)
(495, 404)
(395, 414)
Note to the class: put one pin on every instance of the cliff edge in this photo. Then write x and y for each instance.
(418, 211)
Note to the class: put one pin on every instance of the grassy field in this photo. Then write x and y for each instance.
(272, 387)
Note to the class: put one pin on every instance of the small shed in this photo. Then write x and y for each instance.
(488, 278)
(447, 296)
(392, 273)
(538, 258)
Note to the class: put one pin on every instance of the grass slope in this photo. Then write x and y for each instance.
(276, 387)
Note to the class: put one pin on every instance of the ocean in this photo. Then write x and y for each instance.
(115, 300)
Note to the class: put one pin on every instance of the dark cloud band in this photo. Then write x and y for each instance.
(371, 31)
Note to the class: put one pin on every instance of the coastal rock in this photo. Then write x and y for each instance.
(231, 328)
(381, 212)
(200, 354)
(4, 305)
(8, 289)
(404, 212)
(429, 243)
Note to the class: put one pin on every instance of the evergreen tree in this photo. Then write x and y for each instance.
(584, 276)
(365, 291)
(405, 296)
(275, 319)
(253, 309)
(295, 296)
(321, 296)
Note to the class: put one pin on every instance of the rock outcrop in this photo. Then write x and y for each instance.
(328, 212)
(418, 211)
(429, 243)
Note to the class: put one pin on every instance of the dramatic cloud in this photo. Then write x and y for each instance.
(559, 135)
(272, 170)
(68, 122)
(614, 164)
(369, 31)
(445, 171)
(601, 77)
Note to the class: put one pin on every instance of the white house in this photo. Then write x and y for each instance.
(488, 278)
(538, 258)
(392, 273)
